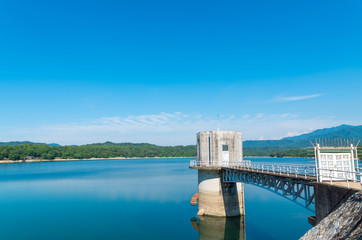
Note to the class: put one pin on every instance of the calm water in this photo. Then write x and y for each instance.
(130, 199)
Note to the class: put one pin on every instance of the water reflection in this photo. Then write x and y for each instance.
(217, 228)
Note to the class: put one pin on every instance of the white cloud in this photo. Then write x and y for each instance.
(259, 115)
(168, 128)
(295, 98)
(246, 116)
(293, 134)
(141, 120)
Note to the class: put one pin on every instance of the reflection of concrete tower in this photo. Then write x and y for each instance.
(216, 228)
(217, 149)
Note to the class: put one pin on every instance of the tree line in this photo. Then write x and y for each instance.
(280, 152)
(102, 150)
(277, 152)
(130, 150)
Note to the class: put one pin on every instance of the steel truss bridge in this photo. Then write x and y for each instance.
(298, 189)
(292, 181)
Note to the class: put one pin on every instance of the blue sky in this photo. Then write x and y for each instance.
(76, 72)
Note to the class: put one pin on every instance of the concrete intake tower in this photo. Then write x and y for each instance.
(217, 149)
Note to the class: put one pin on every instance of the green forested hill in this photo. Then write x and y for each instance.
(298, 146)
(302, 141)
(100, 150)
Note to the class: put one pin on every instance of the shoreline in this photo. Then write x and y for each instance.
(275, 157)
(85, 159)
(114, 158)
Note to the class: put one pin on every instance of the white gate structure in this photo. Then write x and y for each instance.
(336, 159)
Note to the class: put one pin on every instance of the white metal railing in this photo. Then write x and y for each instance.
(297, 170)
(289, 169)
(342, 175)
(196, 163)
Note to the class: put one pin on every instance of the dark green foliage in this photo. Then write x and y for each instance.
(278, 152)
(100, 150)
(260, 151)
(294, 153)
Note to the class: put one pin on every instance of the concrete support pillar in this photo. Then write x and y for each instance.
(329, 197)
(217, 198)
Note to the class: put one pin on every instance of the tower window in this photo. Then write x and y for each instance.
(225, 148)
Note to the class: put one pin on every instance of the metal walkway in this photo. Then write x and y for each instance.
(292, 181)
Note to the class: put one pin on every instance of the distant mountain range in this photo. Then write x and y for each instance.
(14, 143)
(302, 141)
(297, 142)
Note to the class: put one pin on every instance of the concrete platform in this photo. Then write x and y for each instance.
(206, 168)
(353, 185)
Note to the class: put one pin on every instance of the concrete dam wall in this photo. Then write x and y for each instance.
(343, 223)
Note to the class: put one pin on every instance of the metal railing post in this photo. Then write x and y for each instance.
(347, 181)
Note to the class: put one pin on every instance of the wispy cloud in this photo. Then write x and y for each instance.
(141, 120)
(259, 115)
(163, 128)
(169, 128)
(293, 134)
(295, 98)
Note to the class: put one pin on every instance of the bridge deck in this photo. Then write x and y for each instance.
(310, 178)
(294, 172)
(279, 174)
(296, 176)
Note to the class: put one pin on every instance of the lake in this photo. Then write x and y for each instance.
(131, 199)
